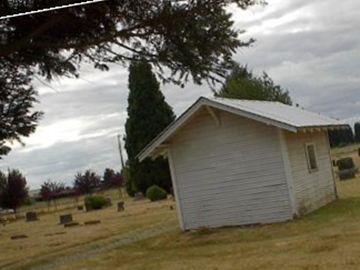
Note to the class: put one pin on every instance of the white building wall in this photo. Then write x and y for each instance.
(311, 189)
(229, 174)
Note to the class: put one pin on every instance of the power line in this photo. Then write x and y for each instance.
(51, 9)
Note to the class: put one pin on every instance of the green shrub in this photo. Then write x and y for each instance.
(155, 193)
(95, 202)
(345, 164)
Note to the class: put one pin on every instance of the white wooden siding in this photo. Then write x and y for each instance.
(230, 174)
(311, 189)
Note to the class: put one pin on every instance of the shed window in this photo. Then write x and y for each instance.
(311, 157)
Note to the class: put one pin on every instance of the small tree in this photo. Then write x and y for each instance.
(45, 192)
(112, 178)
(242, 84)
(86, 182)
(357, 132)
(50, 190)
(13, 191)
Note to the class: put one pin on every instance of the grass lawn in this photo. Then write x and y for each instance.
(326, 239)
(48, 240)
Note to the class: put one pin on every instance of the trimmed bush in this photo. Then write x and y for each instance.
(95, 202)
(345, 164)
(155, 193)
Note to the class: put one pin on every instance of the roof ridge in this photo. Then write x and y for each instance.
(249, 100)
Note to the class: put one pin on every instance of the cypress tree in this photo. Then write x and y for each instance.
(148, 114)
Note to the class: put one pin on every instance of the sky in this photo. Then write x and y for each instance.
(311, 48)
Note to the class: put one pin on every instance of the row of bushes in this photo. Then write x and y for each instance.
(153, 193)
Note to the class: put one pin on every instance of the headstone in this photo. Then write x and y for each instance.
(31, 216)
(65, 219)
(347, 174)
(88, 207)
(19, 236)
(120, 206)
(80, 207)
(108, 201)
(138, 196)
(92, 222)
(71, 224)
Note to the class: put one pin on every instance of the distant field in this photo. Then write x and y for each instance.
(146, 236)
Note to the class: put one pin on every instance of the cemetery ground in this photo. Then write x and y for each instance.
(146, 236)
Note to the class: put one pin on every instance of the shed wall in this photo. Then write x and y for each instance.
(311, 189)
(229, 174)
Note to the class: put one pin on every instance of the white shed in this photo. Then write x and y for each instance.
(237, 162)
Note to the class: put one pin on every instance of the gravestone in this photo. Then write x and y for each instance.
(65, 219)
(120, 206)
(108, 200)
(31, 216)
(92, 222)
(71, 224)
(19, 236)
(138, 196)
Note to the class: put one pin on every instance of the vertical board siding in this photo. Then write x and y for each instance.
(311, 189)
(229, 174)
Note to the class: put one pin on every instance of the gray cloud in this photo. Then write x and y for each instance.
(311, 48)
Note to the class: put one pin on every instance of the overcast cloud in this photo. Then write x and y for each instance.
(312, 48)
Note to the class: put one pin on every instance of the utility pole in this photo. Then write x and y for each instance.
(121, 195)
(120, 152)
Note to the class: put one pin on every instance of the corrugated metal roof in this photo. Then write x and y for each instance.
(271, 113)
(291, 115)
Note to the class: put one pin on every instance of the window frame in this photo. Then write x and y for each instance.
(311, 170)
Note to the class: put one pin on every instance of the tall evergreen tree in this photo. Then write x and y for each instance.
(242, 84)
(148, 114)
(357, 132)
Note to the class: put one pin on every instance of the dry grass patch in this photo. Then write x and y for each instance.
(46, 238)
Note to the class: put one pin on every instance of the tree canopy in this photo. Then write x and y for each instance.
(17, 98)
(87, 182)
(187, 39)
(148, 115)
(242, 84)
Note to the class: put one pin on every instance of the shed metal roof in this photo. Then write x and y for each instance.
(268, 112)
(291, 115)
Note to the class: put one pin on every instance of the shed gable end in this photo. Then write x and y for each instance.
(229, 174)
